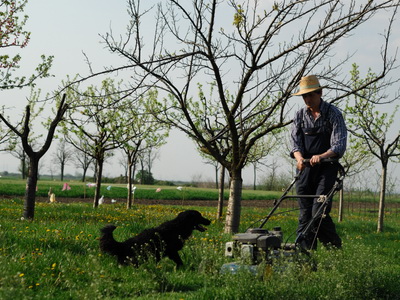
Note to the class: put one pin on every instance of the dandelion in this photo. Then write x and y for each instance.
(21, 275)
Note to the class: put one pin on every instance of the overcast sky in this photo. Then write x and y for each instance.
(67, 28)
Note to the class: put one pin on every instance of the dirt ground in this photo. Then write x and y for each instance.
(250, 203)
(366, 207)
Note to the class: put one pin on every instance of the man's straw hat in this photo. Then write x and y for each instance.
(308, 84)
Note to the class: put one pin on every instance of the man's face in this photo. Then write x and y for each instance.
(312, 100)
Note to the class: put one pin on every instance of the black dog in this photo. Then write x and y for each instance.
(164, 240)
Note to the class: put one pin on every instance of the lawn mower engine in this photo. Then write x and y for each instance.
(259, 249)
(256, 246)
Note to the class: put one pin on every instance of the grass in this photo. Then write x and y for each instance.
(13, 187)
(57, 257)
(10, 187)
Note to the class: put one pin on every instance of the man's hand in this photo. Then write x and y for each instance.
(299, 158)
(315, 160)
(300, 164)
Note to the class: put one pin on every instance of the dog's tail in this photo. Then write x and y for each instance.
(107, 242)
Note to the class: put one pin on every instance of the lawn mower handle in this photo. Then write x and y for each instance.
(323, 160)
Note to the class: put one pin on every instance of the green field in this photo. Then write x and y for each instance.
(10, 187)
(80, 190)
(57, 257)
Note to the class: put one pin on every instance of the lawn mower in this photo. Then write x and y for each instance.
(261, 250)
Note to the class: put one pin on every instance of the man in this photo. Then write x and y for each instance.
(318, 132)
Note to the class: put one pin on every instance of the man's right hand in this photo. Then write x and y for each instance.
(300, 164)
(299, 158)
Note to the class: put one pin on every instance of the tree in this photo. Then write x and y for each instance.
(260, 151)
(19, 153)
(145, 177)
(13, 35)
(254, 61)
(62, 156)
(355, 160)
(372, 128)
(34, 156)
(97, 118)
(15, 148)
(139, 139)
(82, 159)
(7, 138)
(219, 178)
(124, 163)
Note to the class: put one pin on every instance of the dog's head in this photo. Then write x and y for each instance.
(195, 218)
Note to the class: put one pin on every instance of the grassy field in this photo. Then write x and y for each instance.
(13, 187)
(10, 187)
(57, 257)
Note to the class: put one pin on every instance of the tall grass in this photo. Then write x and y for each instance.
(57, 257)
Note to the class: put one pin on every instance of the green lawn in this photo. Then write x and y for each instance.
(57, 257)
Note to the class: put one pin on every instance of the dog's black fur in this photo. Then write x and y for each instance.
(164, 240)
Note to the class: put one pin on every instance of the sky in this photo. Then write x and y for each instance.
(69, 28)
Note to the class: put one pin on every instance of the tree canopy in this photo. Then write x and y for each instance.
(250, 61)
(13, 35)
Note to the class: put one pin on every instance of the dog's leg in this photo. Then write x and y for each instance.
(176, 258)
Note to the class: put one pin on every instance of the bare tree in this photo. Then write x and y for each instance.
(82, 158)
(124, 163)
(62, 156)
(34, 156)
(254, 61)
(262, 149)
(19, 153)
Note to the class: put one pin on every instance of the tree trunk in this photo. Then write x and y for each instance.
(381, 212)
(142, 169)
(98, 183)
(216, 177)
(129, 201)
(23, 166)
(340, 218)
(62, 171)
(221, 192)
(30, 193)
(84, 174)
(232, 220)
(254, 177)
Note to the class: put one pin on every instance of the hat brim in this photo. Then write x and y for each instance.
(306, 91)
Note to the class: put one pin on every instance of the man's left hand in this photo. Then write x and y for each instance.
(315, 160)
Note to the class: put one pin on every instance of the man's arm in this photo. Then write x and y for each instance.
(316, 159)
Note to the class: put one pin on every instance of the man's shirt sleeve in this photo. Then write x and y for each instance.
(296, 135)
(339, 134)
